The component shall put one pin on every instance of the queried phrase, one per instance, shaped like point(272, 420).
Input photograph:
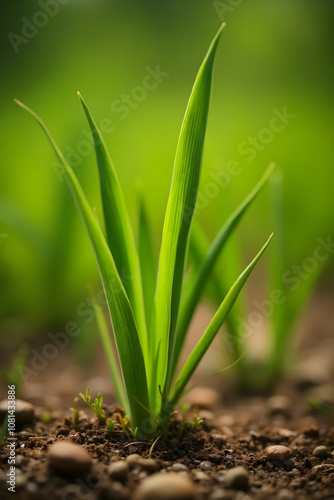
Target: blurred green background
point(273, 55)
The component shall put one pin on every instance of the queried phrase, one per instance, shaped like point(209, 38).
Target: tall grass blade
point(217, 289)
point(179, 213)
point(147, 260)
point(202, 274)
point(124, 326)
point(119, 233)
point(211, 331)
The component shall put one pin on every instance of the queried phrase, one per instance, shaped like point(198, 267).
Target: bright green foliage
point(146, 326)
point(96, 406)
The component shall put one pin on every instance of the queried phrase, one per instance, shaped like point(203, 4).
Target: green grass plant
point(149, 330)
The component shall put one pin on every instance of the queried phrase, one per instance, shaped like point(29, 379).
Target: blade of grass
point(283, 318)
point(211, 331)
point(147, 260)
point(119, 233)
point(179, 213)
point(110, 355)
point(195, 290)
point(125, 331)
point(199, 249)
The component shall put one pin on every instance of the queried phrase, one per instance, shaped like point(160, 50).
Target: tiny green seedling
point(197, 421)
point(75, 411)
point(150, 331)
point(110, 423)
point(96, 406)
point(46, 417)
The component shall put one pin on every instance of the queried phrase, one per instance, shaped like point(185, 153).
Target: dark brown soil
point(236, 437)
point(235, 431)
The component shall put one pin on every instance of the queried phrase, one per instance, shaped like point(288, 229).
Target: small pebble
point(323, 468)
point(237, 478)
point(218, 439)
point(69, 458)
point(133, 459)
point(206, 465)
point(148, 464)
point(279, 404)
point(166, 486)
point(179, 468)
point(199, 475)
point(278, 452)
point(320, 452)
point(119, 470)
point(203, 398)
point(24, 411)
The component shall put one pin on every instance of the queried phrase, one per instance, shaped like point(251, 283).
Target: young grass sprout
point(149, 332)
point(96, 406)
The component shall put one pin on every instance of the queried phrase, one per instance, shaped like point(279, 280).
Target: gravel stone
point(320, 452)
point(166, 486)
point(278, 452)
point(203, 398)
point(24, 411)
point(69, 458)
point(279, 404)
point(148, 464)
point(119, 470)
point(206, 465)
point(179, 468)
point(237, 478)
point(133, 459)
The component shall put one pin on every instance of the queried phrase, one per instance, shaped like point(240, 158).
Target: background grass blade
point(203, 273)
point(147, 260)
point(180, 207)
point(126, 335)
point(284, 316)
point(210, 333)
point(119, 233)
point(217, 288)
point(110, 355)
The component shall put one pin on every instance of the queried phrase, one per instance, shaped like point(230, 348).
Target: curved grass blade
point(211, 331)
point(202, 274)
point(119, 233)
point(125, 331)
point(147, 260)
point(179, 213)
